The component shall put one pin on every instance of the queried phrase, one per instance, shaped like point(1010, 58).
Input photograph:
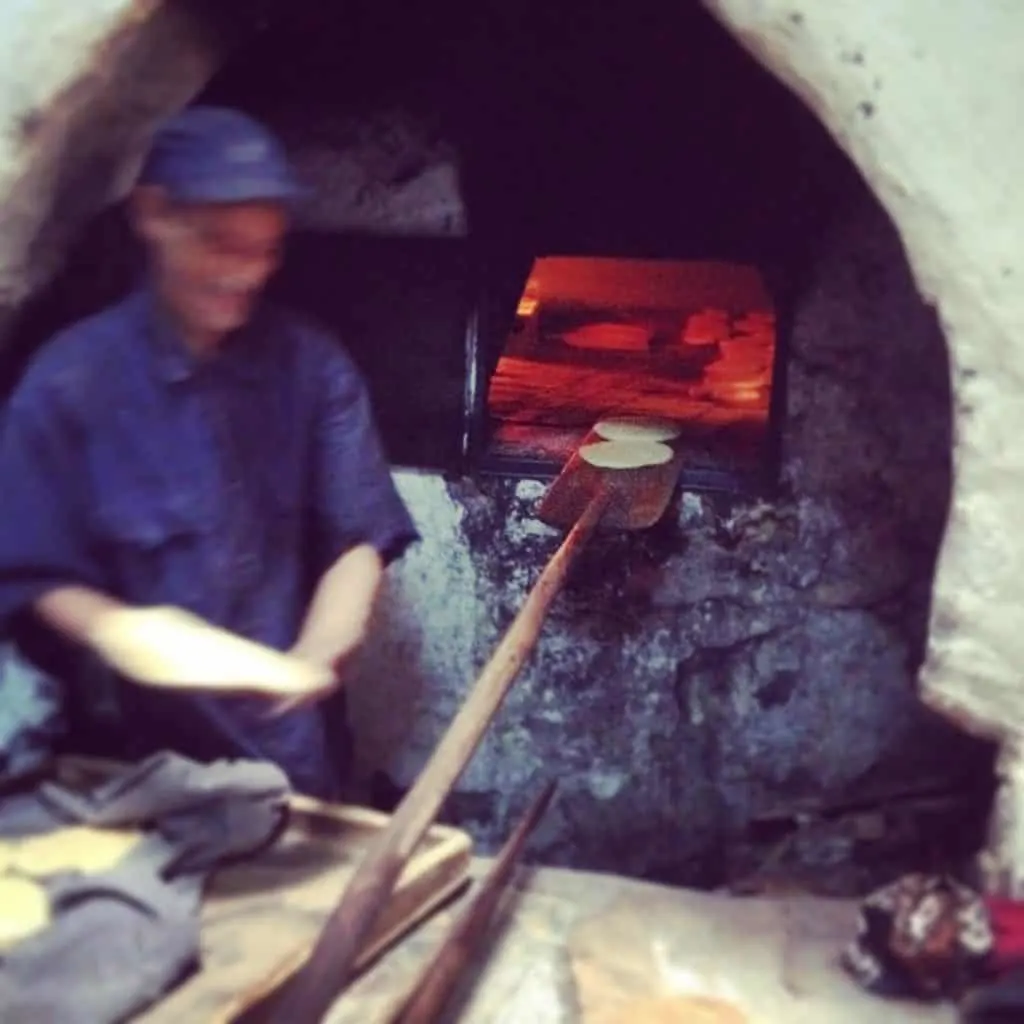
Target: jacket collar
point(173, 362)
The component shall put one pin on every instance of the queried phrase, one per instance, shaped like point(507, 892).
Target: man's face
point(212, 261)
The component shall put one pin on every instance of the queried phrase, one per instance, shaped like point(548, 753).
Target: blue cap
point(218, 155)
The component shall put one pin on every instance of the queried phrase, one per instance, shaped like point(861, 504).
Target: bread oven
point(529, 217)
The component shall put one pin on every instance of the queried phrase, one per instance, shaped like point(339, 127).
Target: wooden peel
point(438, 979)
point(636, 498)
point(588, 495)
point(329, 968)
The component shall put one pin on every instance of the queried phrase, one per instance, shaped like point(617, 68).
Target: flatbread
point(677, 1010)
point(634, 428)
point(171, 647)
point(80, 849)
point(626, 454)
point(612, 337)
point(24, 909)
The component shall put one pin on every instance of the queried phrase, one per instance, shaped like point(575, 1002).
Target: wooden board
point(638, 497)
point(262, 917)
point(626, 972)
point(654, 955)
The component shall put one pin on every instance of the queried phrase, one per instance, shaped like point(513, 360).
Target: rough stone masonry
point(737, 658)
point(878, 76)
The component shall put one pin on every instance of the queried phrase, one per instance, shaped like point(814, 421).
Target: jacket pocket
point(151, 548)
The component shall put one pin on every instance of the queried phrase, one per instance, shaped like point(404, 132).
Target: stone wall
point(740, 658)
point(877, 77)
point(372, 162)
point(875, 82)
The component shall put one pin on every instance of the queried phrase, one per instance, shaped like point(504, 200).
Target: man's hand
point(337, 620)
point(331, 662)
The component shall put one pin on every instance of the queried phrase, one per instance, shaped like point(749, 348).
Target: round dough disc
point(633, 428)
point(24, 909)
point(672, 1009)
point(80, 848)
point(626, 454)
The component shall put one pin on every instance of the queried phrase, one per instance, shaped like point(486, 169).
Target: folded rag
point(121, 938)
point(118, 941)
point(208, 813)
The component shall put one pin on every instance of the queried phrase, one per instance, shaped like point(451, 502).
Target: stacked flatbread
point(637, 428)
point(625, 454)
point(630, 442)
point(743, 372)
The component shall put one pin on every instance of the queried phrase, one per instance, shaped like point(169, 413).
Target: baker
point(196, 447)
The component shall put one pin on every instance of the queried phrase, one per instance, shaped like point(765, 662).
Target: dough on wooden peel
point(24, 909)
point(636, 428)
point(81, 848)
point(626, 454)
point(171, 647)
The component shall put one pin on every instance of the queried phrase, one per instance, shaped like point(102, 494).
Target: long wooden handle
point(329, 968)
point(438, 978)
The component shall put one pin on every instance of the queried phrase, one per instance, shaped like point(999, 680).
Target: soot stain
point(778, 690)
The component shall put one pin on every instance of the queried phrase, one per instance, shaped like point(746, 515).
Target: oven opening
point(693, 342)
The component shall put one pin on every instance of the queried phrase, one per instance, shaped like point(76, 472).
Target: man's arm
point(360, 523)
point(339, 614)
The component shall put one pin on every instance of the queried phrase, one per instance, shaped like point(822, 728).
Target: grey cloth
point(118, 941)
point(207, 813)
point(122, 938)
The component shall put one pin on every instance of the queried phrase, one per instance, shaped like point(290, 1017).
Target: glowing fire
point(686, 341)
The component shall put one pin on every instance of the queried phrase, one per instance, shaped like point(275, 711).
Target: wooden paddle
point(439, 977)
point(636, 498)
point(632, 499)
